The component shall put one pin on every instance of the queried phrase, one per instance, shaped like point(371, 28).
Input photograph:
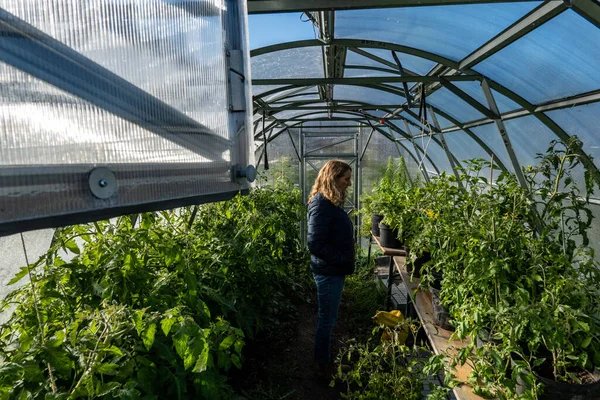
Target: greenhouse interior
point(173, 225)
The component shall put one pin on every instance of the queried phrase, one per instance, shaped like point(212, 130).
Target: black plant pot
point(415, 267)
point(388, 237)
point(554, 390)
point(375, 220)
point(441, 316)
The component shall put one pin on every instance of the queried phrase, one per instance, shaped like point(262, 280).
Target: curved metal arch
point(540, 116)
point(487, 149)
point(369, 117)
point(378, 129)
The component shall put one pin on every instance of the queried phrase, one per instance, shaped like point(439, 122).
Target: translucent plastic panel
point(409, 62)
point(152, 44)
point(465, 148)
point(140, 120)
point(529, 137)
point(375, 159)
point(443, 122)
point(292, 95)
point(582, 121)
point(329, 145)
point(491, 137)
point(450, 31)
point(365, 95)
point(449, 103)
point(473, 89)
point(558, 59)
point(435, 152)
point(282, 159)
point(304, 62)
point(289, 27)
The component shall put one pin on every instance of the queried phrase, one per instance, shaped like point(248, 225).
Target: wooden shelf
point(388, 251)
point(439, 338)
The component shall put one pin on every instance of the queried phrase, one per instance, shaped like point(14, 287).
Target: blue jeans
point(329, 296)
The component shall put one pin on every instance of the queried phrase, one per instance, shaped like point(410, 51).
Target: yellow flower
point(431, 214)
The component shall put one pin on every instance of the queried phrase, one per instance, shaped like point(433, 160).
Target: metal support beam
point(588, 9)
point(294, 144)
point(329, 145)
point(419, 164)
point(489, 96)
point(366, 144)
point(449, 154)
point(275, 6)
point(329, 155)
point(361, 81)
point(468, 99)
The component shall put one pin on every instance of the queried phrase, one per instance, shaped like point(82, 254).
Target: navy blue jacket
point(330, 238)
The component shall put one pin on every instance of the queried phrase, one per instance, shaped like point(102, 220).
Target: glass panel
point(450, 31)
point(491, 137)
point(303, 62)
point(582, 121)
point(447, 102)
point(409, 62)
point(289, 27)
point(375, 158)
point(558, 59)
point(365, 95)
point(473, 89)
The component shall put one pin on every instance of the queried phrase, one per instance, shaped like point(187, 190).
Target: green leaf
point(72, 246)
point(114, 350)
point(137, 320)
point(586, 342)
point(148, 336)
point(166, 325)
point(108, 388)
point(236, 361)
point(107, 369)
point(227, 342)
point(202, 363)
point(57, 340)
point(19, 275)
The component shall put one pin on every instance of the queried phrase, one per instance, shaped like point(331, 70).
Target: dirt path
point(286, 370)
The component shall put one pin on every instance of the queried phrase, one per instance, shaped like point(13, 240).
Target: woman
point(331, 244)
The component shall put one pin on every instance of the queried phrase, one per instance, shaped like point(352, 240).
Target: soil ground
point(285, 369)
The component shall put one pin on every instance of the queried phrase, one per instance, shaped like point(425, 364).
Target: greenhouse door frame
point(351, 158)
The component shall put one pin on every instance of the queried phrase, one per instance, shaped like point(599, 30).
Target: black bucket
point(389, 237)
point(554, 390)
point(375, 220)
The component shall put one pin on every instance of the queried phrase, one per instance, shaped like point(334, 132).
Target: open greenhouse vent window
point(115, 107)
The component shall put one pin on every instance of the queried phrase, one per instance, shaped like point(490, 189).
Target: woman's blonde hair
point(325, 182)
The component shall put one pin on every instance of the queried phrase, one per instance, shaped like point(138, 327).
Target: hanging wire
point(37, 312)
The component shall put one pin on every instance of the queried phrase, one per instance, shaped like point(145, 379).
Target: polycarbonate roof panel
point(444, 123)
point(529, 137)
point(451, 31)
point(473, 89)
point(558, 59)
point(582, 121)
point(464, 147)
point(289, 27)
point(296, 92)
point(447, 102)
point(409, 62)
point(491, 137)
point(435, 152)
point(302, 62)
point(365, 95)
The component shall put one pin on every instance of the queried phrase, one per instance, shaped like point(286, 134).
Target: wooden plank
point(388, 251)
point(438, 337)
